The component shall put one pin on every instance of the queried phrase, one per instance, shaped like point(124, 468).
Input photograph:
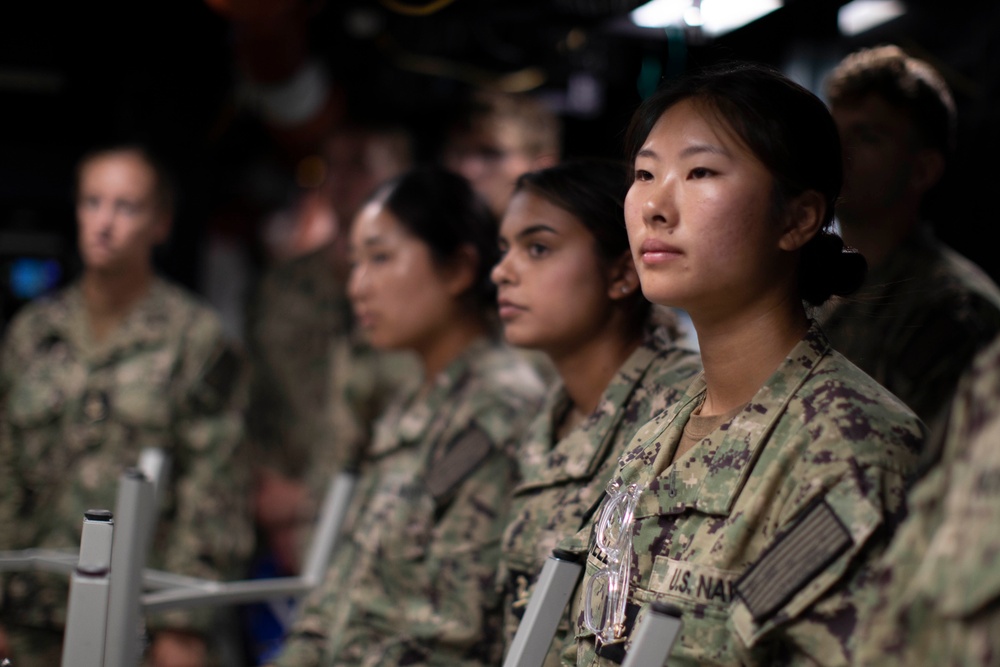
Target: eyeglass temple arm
point(654, 636)
point(556, 583)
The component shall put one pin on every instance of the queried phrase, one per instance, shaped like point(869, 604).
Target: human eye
point(88, 202)
point(379, 257)
point(491, 154)
point(353, 259)
point(537, 250)
point(127, 207)
point(700, 172)
point(643, 175)
point(503, 247)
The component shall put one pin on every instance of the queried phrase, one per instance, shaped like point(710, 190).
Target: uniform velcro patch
point(219, 380)
point(463, 456)
point(801, 551)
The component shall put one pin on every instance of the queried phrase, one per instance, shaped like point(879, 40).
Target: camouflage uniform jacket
point(915, 326)
point(75, 414)
point(762, 532)
point(562, 482)
point(317, 386)
point(412, 581)
point(939, 583)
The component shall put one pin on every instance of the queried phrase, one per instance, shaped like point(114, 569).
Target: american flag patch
point(462, 457)
point(805, 548)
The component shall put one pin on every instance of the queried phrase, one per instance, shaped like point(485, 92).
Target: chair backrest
point(556, 583)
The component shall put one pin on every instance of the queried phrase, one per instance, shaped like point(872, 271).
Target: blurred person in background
point(495, 137)
point(412, 579)
point(120, 360)
point(924, 309)
point(317, 384)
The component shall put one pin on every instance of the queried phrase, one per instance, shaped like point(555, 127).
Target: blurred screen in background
point(33, 262)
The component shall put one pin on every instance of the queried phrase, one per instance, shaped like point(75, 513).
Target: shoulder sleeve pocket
point(461, 457)
point(806, 559)
point(219, 380)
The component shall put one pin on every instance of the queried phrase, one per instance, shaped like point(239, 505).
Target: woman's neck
point(448, 343)
point(587, 370)
point(109, 297)
point(740, 353)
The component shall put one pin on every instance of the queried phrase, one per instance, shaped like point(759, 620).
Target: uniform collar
point(709, 478)
point(582, 452)
point(145, 325)
point(409, 421)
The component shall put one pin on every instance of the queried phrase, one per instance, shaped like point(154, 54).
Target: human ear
point(804, 217)
point(162, 224)
point(928, 168)
point(622, 276)
point(460, 273)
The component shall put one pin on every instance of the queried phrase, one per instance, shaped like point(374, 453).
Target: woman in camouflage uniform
point(120, 360)
point(568, 287)
point(412, 580)
point(756, 502)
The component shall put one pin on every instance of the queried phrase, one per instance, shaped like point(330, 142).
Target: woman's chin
point(516, 338)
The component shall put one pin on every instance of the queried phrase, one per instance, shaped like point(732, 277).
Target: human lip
point(99, 241)
point(365, 318)
point(100, 249)
point(507, 309)
point(654, 251)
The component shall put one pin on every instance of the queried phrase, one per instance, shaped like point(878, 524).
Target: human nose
point(468, 164)
point(356, 282)
point(502, 273)
point(658, 205)
point(97, 217)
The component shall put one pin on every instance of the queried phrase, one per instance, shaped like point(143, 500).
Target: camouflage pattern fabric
point(915, 326)
point(75, 414)
point(562, 482)
point(317, 386)
point(761, 534)
point(412, 583)
point(939, 585)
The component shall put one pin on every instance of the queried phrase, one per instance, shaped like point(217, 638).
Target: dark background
point(72, 74)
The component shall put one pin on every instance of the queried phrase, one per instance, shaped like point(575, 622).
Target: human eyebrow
point(129, 203)
point(698, 149)
point(535, 229)
point(372, 241)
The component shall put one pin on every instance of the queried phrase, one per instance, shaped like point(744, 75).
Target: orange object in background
point(271, 48)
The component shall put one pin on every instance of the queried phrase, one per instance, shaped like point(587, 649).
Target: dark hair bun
point(827, 267)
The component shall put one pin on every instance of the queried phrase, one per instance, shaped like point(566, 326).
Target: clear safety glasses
point(607, 590)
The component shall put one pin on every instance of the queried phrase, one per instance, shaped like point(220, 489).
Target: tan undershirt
point(700, 426)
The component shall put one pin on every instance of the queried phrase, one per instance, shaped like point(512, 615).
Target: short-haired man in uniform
point(924, 310)
point(495, 137)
